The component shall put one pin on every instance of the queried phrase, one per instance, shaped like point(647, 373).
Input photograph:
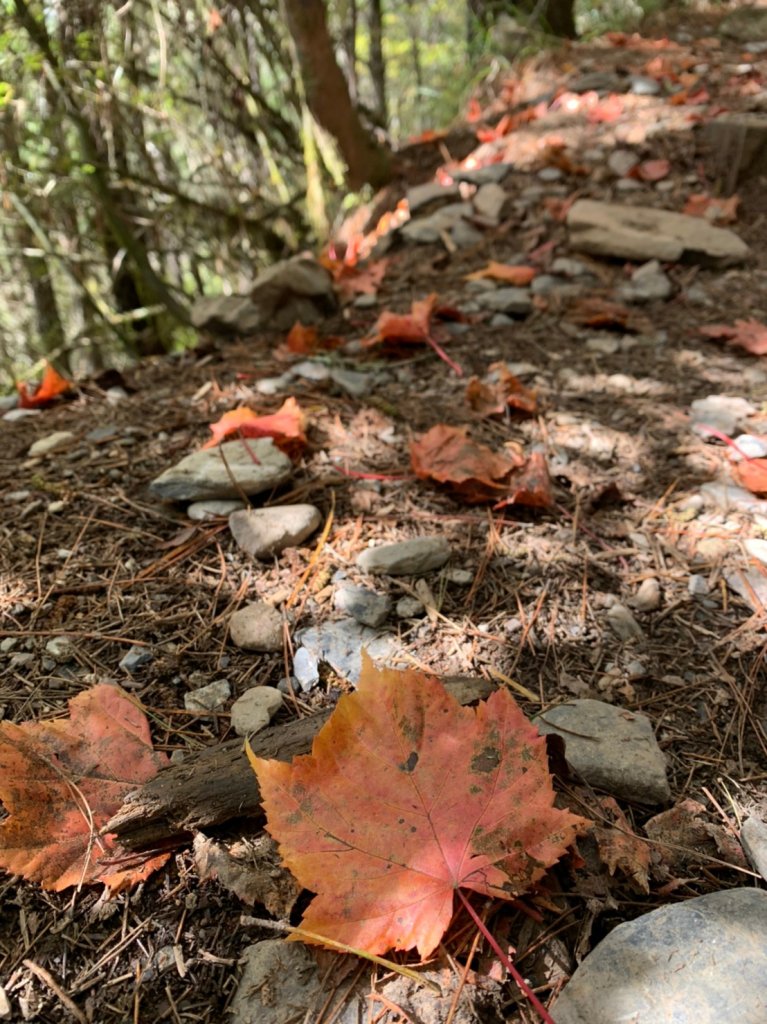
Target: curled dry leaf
point(285, 427)
point(472, 471)
point(718, 210)
point(620, 849)
point(501, 392)
point(748, 334)
point(530, 485)
point(51, 386)
point(507, 272)
point(407, 797)
point(397, 331)
point(62, 780)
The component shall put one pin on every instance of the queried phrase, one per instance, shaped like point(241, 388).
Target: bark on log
point(217, 784)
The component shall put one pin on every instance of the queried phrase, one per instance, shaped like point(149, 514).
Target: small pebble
point(409, 608)
point(623, 623)
point(256, 627)
point(255, 709)
point(135, 658)
point(648, 597)
point(208, 698)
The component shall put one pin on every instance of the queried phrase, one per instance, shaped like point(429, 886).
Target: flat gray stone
point(279, 984)
point(421, 196)
point(623, 623)
point(702, 961)
point(611, 748)
point(648, 596)
point(256, 465)
point(648, 284)
point(753, 836)
point(406, 558)
point(208, 698)
point(263, 532)
point(364, 605)
point(226, 314)
point(426, 230)
point(199, 511)
point(512, 301)
point(723, 412)
point(256, 627)
point(490, 200)
point(255, 709)
point(410, 608)
point(339, 644)
point(52, 443)
point(646, 233)
point(483, 175)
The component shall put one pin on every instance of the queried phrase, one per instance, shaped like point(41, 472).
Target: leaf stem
point(538, 1006)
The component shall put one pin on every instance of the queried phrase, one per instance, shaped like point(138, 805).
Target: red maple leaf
point(285, 427)
point(472, 471)
point(407, 797)
point(51, 386)
point(748, 334)
point(62, 780)
point(395, 331)
point(503, 391)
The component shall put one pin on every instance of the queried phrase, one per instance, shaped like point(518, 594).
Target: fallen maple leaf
point(285, 427)
point(530, 485)
point(397, 330)
point(351, 278)
point(512, 274)
point(51, 386)
point(62, 780)
point(406, 798)
point(748, 334)
point(503, 391)
point(473, 472)
point(620, 849)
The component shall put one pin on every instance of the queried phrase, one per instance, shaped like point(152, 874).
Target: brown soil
point(113, 568)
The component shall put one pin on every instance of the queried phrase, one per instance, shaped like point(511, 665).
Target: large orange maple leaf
point(62, 780)
point(406, 797)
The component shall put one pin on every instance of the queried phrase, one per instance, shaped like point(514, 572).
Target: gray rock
point(490, 200)
point(14, 415)
point(728, 497)
point(646, 233)
point(622, 162)
point(482, 175)
point(256, 465)
point(464, 236)
point(623, 623)
point(51, 443)
point(263, 532)
point(208, 698)
point(701, 961)
point(352, 382)
point(432, 192)
point(641, 85)
point(566, 267)
point(460, 577)
point(365, 302)
point(426, 230)
point(753, 836)
point(723, 412)
point(756, 547)
point(199, 511)
point(339, 644)
point(697, 586)
point(226, 314)
point(548, 284)
point(515, 301)
point(647, 598)
point(406, 558)
point(306, 669)
point(135, 658)
point(256, 627)
point(60, 648)
point(410, 608)
point(501, 320)
point(364, 605)
point(255, 709)
point(648, 284)
point(611, 748)
point(279, 984)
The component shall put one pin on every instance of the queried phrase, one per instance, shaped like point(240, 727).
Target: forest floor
point(89, 555)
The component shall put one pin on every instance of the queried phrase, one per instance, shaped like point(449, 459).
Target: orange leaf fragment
point(51, 386)
point(62, 780)
point(285, 427)
point(717, 210)
point(406, 797)
point(504, 391)
point(514, 275)
point(748, 334)
point(530, 485)
point(751, 474)
point(620, 849)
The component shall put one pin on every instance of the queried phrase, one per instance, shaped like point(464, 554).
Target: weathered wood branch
point(217, 784)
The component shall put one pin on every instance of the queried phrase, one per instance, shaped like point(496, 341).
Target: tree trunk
point(377, 63)
point(328, 96)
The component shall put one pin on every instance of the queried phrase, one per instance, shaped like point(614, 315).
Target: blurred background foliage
point(158, 151)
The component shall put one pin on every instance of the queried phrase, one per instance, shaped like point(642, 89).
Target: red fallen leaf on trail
point(651, 170)
point(503, 391)
point(530, 485)
point(715, 209)
point(620, 849)
point(607, 110)
point(472, 471)
point(351, 278)
point(285, 427)
point(407, 797)
point(62, 780)
point(51, 386)
point(592, 311)
point(515, 275)
point(305, 341)
point(402, 330)
point(748, 334)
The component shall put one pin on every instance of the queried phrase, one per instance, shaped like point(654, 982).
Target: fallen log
point(216, 785)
